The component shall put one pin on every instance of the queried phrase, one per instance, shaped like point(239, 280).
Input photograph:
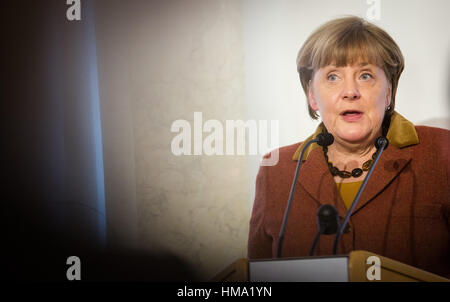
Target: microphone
point(323, 139)
point(327, 223)
point(381, 143)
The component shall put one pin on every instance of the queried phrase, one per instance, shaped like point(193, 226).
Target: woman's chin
point(354, 137)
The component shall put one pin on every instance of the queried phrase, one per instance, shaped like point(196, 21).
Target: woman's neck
point(348, 150)
point(350, 156)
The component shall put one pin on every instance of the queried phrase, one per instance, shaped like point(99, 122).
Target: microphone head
point(324, 139)
point(328, 219)
point(380, 141)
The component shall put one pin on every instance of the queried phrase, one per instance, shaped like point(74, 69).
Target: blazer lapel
point(316, 179)
point(391, 163)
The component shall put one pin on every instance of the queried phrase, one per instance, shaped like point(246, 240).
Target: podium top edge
point(299, 258)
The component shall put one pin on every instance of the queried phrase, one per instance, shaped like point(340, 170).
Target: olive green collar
point(401, 133)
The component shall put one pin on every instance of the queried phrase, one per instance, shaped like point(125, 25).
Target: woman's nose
point(350, 91)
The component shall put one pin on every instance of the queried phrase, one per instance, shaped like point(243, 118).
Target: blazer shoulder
point(433, 137)
point(285, 152)
point(289, 150)
point(425, 132)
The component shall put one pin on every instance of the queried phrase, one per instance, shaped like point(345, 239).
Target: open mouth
point(350, 113)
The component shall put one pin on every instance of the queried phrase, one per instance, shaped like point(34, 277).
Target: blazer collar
point(316, 179)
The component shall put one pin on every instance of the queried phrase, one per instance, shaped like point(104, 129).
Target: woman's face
point(351, 100)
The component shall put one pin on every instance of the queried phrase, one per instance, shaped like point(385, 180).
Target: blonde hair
point(346, 41)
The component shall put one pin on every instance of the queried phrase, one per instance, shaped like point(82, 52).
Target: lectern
point(346, 268)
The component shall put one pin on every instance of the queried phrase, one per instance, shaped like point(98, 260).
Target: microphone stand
point(321, 139)
point(291, 194)
point(382, 142)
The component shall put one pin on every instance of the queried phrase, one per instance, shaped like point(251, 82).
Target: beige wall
point(187, 57)
point(161, 61)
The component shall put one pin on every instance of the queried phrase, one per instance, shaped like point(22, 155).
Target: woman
point(349, 70)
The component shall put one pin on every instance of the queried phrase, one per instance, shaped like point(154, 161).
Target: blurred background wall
point(160, 61)
point(89, 106)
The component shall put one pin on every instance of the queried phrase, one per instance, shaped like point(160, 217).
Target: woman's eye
point(366, 76)
point(332, 77)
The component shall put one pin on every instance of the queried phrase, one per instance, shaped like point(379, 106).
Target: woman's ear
point(311, 98)
point(388, 96)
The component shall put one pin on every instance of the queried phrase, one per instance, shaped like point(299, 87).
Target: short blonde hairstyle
point(345, 41)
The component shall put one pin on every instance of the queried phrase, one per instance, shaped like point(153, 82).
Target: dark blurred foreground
point(32, 249)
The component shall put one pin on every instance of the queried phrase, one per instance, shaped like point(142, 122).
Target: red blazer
point(402, 214)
